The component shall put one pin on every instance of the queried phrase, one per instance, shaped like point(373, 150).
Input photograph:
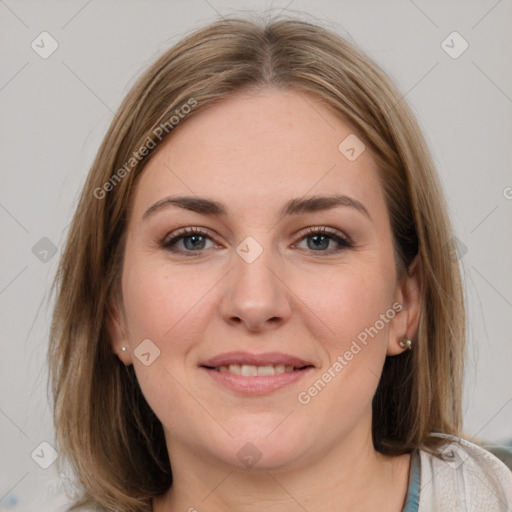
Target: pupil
point(195, 238)
point(325, 240)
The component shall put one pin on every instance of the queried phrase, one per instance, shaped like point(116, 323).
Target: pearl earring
point(405, 342)
point(123, 349)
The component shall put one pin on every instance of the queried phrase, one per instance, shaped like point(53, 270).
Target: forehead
point(260, 148)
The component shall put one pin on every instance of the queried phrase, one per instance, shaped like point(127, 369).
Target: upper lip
point(264, 359)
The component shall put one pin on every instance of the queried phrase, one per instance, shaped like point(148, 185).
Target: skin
point(253, 152)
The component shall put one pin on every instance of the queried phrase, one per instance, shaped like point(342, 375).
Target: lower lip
point(259, 385)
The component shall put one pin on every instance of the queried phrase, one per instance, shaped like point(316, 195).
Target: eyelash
point(169, 243)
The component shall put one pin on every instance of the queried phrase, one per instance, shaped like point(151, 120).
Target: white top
point(465, 478)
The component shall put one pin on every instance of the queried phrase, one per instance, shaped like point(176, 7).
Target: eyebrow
point(295, 206)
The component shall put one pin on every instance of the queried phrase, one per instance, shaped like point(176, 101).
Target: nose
point(255, 295)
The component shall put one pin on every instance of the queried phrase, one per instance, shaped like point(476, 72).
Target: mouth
point(255, 374)
point(247, 370)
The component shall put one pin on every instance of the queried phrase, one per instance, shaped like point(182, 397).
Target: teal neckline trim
point(413, 493)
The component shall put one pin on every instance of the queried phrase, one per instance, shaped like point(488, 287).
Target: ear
point(116, 327)
point(408, 295)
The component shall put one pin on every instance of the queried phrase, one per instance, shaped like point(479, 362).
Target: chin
point(262, 448)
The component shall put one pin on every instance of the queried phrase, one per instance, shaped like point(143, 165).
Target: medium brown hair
point(104, 427)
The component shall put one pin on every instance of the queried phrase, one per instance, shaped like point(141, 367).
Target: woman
point(257, 306)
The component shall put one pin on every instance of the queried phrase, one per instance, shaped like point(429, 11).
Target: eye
point(319, 238)
point(193, 239)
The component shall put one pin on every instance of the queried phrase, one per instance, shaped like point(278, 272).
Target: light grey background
point(55, 111)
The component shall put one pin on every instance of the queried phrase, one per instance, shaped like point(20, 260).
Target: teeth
point(247, 370)
point(235, 368)
point(279, 368)
point(265, 370)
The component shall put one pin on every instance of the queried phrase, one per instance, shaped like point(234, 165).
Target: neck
point(351, 475)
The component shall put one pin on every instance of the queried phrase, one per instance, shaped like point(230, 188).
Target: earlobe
point(117, 331)
point(404, 328)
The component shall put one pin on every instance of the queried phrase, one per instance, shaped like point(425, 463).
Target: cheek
point(168, 309)
point(162, 305)
point(346, 304)
point(349, 329)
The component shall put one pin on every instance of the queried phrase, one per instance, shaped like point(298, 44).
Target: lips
point(247, 359)
point(255, 374)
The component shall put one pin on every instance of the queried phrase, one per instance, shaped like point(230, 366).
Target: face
point(256, 319)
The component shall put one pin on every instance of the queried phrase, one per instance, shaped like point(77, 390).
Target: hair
point(104, 427)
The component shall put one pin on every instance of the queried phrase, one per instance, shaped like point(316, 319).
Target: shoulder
point(464, 476)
